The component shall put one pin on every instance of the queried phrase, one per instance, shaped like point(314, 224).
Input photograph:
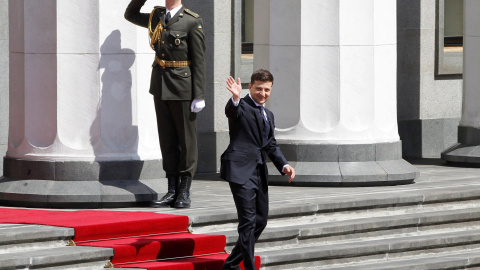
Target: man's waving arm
point(235, 88)
point(231, 110)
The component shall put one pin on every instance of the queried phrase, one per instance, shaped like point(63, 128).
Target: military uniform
point(178, 77)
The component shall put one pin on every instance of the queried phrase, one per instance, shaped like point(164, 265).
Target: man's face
point(173, 3)
point(260, 91)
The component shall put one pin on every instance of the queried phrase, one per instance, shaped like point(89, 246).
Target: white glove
point(197, 105)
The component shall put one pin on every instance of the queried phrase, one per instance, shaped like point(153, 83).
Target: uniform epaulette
point(193, 14)
point(159, 8)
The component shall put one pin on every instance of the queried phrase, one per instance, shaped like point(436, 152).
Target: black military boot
point(183, 192)
point(168, 199)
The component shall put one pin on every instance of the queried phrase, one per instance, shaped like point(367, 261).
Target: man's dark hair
point(262, 75)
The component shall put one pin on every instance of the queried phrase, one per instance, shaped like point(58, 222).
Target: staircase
point(49, 248)
point(46, 247)
point(430, 225)
point(104, 239)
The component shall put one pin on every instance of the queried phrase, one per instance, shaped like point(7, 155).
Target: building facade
point(429, 76)
point(409, 90)
point(4, 77)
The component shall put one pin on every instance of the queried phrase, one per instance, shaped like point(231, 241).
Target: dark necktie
point(266, 125)
point(167, 17)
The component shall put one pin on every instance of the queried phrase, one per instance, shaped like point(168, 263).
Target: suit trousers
point(177, 131)
point(251, 201)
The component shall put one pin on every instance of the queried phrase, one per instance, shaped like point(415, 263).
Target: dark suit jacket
point(241, 157)
point(182, 83)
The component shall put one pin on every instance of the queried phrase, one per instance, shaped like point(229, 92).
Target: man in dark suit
point(243, 162)
point(178, 86)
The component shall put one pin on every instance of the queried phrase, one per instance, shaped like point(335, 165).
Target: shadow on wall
point(408, 76)
point(112, 134)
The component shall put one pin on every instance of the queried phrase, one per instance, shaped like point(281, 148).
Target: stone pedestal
point(467, 150)
point(334, 95)
point(82, 127)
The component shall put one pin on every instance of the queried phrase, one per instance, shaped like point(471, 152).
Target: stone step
point(372, 227)
point(310, 210)
point(23, 237)
point(82, 266)
point(451, 260)
point(361, 250)
point(21, 233)
point(57, 258)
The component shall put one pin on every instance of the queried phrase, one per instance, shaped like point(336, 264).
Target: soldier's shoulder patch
point(191, 13)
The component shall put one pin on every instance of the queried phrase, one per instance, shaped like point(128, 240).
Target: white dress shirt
point(173, 11)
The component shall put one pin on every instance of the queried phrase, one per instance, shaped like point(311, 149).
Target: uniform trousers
point(177, 131)
point(251, 201)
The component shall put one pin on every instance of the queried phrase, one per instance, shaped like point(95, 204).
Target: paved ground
point(214, 196)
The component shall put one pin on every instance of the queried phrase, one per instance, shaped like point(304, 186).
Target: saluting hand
point(234, 87)
point(290, 171)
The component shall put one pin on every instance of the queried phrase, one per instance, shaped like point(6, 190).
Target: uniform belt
point(173, 64)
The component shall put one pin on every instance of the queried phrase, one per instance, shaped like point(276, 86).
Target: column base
point(466, 152)
point(462, 155)
point(344, 164)
point(53, 184)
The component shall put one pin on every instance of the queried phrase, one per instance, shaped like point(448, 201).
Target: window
point(450, 37)
point(247, 26)
point(453, 23)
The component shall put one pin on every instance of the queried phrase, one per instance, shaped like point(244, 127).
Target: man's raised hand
point(234, 87)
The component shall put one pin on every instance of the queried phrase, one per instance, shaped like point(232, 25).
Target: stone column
point(467, 149)
point(82, 123)
point(334, 95)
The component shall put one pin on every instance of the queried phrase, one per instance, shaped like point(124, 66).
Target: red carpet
point(92, 225)
point(147, 240)
point(210, 262)
point(162, 247)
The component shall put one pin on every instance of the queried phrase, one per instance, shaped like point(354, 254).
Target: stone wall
point(429, 105)
point(4, 52)
point(212, 125)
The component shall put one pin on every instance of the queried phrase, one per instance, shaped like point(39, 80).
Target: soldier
point(178, 88)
